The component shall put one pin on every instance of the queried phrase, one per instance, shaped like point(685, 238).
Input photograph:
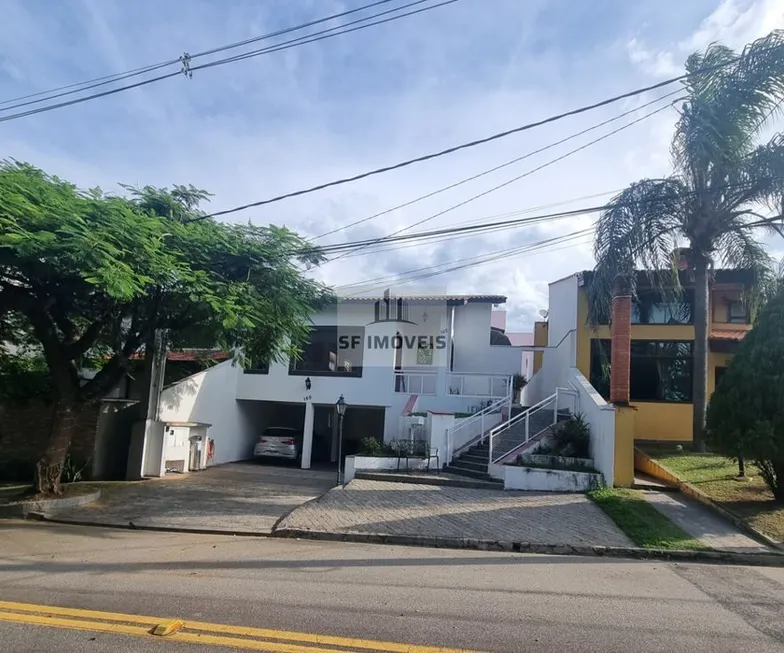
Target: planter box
point(548, 480)
point(535, 459)
point(380, 463)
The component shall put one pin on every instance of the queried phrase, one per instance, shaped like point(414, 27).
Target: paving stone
point(702, 523)
point(365, 506)
point(241, 497)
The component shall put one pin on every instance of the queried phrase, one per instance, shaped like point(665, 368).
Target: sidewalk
point(702, 523)
point(410, 509)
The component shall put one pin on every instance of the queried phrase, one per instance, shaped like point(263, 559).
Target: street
point(318, 595)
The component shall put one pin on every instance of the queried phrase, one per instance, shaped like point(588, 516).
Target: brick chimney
point(621, 339)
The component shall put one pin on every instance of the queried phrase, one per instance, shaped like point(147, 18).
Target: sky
point(284, 121)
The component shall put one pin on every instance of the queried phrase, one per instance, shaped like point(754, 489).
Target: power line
point(381, 248)
point(470, 144)
point(471, 261)
point(523, 175)
point(506, 224)
point(498, 167)
point(449, 263)
point(109, 79)
point(312, 38)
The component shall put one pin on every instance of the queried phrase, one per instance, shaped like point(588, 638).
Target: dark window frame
point(646, 302)
point(601, 352)
point(260, 368)
point(295, 370)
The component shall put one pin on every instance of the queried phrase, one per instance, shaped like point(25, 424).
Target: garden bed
point(24, 501)
point(381, 463)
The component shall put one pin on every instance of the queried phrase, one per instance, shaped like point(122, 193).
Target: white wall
point(561, 353)
point(544, 480)
point(375, 387)
point(601, 417)
point(209, 397)
point(473, 352)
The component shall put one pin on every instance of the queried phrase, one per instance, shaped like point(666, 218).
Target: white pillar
point(307, 435)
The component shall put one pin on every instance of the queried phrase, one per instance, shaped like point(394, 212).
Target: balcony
point(463, 384)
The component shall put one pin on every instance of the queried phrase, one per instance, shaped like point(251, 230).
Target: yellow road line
point(224, 629)
point(141, 631)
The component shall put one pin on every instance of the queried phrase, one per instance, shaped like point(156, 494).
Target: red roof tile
point(727, 334)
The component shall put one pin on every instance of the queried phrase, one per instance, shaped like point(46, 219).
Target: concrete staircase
point(473, 462)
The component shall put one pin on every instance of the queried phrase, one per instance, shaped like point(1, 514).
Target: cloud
point(293, 119)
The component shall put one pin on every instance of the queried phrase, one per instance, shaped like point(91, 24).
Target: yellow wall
point(540, 340)
point(625, 425)
point(656, 420)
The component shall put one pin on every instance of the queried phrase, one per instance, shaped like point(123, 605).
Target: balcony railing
point(479, 385)
point(416, 383)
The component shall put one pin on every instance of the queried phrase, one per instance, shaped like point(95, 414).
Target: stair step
point(471, 466)
point(480, 475)
point(471, 458)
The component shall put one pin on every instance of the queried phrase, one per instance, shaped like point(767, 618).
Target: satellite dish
point(544, 313)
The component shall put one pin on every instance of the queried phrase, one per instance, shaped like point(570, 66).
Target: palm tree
point(720, 176)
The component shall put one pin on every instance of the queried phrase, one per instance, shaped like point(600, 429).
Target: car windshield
point(280, 432)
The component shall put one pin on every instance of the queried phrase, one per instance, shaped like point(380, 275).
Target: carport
point(359, 422)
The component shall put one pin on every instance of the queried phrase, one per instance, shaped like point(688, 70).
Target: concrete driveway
point(234, 498)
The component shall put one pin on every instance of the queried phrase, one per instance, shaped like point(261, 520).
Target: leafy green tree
point(720, 177)
point(90, 277)
point(746, 413)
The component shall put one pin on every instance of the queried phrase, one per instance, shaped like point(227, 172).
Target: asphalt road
point(421, 597)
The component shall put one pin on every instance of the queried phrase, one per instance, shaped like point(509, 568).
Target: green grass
point(714, 475)
point(642, 523)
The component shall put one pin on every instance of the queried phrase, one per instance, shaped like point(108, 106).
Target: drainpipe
point(621, 341)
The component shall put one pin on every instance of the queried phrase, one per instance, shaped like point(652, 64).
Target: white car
point(279, 442)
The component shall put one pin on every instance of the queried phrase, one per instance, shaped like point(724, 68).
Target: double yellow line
point(199, 632)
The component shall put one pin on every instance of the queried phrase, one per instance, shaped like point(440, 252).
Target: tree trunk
point(50, 467)
point(700, 371)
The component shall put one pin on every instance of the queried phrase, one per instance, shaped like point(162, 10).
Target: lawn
point(642, 523)
point(751, 500)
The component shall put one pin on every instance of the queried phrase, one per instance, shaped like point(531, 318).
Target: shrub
point(370, 446)
point(572, 438)
point(746, 413)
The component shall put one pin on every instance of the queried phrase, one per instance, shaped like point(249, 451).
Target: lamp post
point(340, 406)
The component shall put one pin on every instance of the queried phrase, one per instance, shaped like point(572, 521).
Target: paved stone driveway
point(380, 507)
point(240, 497)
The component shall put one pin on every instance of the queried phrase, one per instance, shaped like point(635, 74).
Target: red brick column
point(621, 339)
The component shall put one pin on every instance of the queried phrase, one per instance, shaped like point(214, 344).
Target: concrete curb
point(440, 482)
point(130, 526)
point(714, 557)
point(657, 470)
point(24, 508)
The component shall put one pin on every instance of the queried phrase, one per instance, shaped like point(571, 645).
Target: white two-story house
point(389, 357)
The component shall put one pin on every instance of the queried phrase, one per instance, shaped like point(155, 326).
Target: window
point(425, 356)
point(736, 312)
point(259, 367)
point(323, 356)
point(651, 308)
point(660, 370)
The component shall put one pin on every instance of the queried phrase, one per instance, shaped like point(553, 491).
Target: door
point(717, 376)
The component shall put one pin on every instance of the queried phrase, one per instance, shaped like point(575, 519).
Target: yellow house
point(662, 338)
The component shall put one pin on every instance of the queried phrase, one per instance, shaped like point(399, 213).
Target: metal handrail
point(478, 416)
point(526, 415)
